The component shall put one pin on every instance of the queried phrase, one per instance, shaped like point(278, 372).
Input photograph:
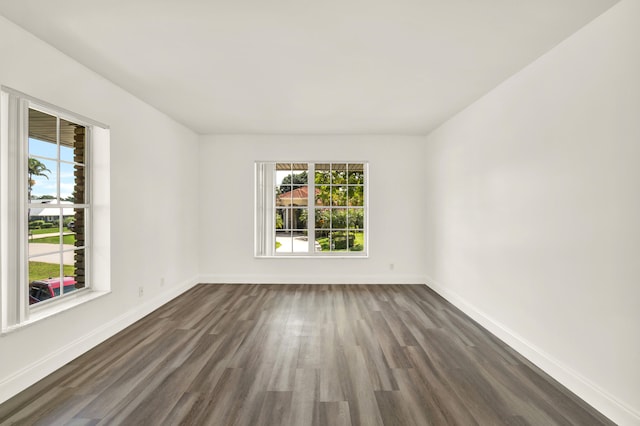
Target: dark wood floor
point(301, 355)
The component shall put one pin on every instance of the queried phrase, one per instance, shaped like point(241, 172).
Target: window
point(57, 204)
point(311, 209)
point(46, 205)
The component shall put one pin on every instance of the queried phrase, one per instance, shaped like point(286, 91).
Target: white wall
point(534, 207)
point(154, 189)
point(227, 209)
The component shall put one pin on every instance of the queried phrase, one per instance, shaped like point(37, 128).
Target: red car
point(46, 289)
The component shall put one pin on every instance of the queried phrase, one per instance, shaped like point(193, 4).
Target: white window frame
point(265, 208)
point(15, 310)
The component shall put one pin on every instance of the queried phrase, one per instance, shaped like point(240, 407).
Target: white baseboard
point(610, 406)
point(46, 365)
point(312, 279)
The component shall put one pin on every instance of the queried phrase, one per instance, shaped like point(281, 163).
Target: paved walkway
point(298, 244)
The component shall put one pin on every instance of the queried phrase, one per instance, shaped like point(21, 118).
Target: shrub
point(340, 239)
point(36, 224)
point(47, 225)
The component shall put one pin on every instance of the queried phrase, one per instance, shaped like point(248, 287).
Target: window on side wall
point(46, 229)
point(311, 209)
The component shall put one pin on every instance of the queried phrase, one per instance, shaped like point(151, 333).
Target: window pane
point(339, 241)
point(72, 142)
point(78, 271)
point(356, 195)
point(300, 196)
point(323, 174)
point(44, 273)
point(356, 219)
point(299, 218)
point(339, 219)
point(339, 196)
point(72, 187)
point(300, 175)
point(42, 179)
point(356, 173)
point(357, 243)
point(43, 127)
point(338, 174)
point(300, 242)
point(283, 195)
point(323, 241)
point(283, 219)
point(44, 230)
point(40, 148)
point(75, 220)
point(323, 195)
point(283, 242)
point(323, 218)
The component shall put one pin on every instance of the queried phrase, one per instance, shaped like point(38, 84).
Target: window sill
point(303, 256)
point(54, 308)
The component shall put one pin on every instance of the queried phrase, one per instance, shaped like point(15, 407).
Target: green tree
point(294, 181)
point(36, 168)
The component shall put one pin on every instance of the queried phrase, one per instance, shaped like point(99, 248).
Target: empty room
point(346, 213)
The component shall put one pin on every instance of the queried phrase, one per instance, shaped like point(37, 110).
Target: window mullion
point(311, 207)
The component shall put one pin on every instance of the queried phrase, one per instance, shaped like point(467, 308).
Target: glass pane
point(323, 218)
point(323, 174)
point(356, 195)
point(338, 173)
point(40, 148)
point(283, 219)
point(339, 241)
point(323, 195)
point(283, 195)
point(356, 219)
point(300, 196)
point(357, 242)
point(356, 173)
point(78, 271)
point(339, 196)
point(42, 179)
point(300, 242)
point(283, 181)
point(300, 175)
point(299, 218)
point(43, 127)
point(323, 241)
point(72, 187)
point(283, 242)
point(72, 142)
point(44, 274)
point(74, 220)
point(339, 219)
point(44, 230)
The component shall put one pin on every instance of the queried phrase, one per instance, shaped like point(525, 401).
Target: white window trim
point(15, 311)
point(264, 209)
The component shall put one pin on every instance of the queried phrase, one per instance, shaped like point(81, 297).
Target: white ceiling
point(285, 66)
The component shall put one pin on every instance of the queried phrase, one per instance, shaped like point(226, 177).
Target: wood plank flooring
point(301, 355)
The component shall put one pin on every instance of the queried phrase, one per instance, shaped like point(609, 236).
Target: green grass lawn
point(41, 270)
point(66, 239)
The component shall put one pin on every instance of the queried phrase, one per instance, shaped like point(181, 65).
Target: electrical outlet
point(392, 266)
point(140, 291)
point(162, 282)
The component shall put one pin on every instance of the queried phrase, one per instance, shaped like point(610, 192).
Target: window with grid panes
point(311, 209)
point(45, 200)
